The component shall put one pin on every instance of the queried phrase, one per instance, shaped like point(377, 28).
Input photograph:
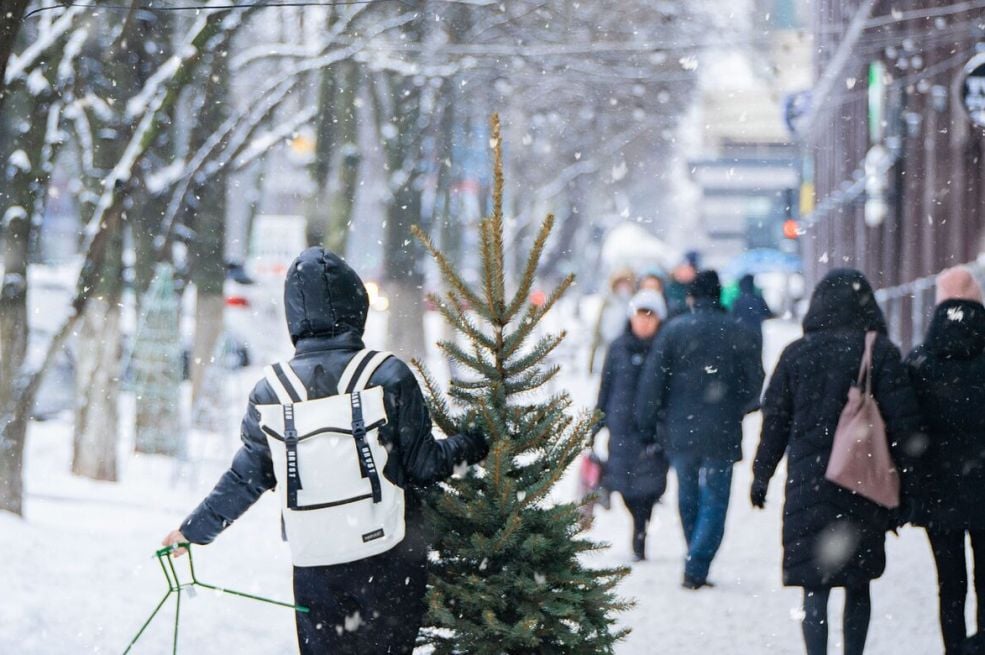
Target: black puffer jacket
point(635, 468)
point(702, 375)
point(948, 374)
point(326, 307)
point(832, 537)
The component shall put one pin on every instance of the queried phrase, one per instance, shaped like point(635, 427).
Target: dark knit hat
point(705, 285)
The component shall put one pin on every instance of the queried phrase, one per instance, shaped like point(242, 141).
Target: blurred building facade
point(893, 157)
point(749, 169)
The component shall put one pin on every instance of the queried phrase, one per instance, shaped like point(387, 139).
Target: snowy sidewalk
point(78, 576)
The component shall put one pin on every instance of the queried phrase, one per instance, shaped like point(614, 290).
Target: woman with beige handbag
point(823, 408)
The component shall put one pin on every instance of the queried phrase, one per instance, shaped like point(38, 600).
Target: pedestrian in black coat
point(750, 310)
point(637, 466)
point(372, 606)
point(831, 536)
point(948, 374)
point(701, 377)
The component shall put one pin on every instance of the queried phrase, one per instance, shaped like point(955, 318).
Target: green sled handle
point(176, 587)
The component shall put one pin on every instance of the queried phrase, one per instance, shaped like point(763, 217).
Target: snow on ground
point(79, 577)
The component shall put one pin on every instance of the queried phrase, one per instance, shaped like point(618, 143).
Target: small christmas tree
point(509, 576)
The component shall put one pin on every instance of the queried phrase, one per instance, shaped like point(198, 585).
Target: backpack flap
point(310, 420)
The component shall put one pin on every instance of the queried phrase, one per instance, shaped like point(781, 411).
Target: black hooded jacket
point(702, 375)
point(948, 374)
point(326, 307)
point(633, 470)
point(749, 309)
point(831, 536)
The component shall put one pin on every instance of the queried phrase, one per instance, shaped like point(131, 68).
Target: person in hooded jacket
point(750, 309)
point(611, 318)
point(701, 377)
point(948, 374)
point(831, 536)
point(637, 466)
point(372, 606)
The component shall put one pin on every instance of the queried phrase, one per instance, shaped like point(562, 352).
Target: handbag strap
point(865, 367)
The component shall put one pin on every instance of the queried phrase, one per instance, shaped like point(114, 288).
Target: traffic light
point(791, 229)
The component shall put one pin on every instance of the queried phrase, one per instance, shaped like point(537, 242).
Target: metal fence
point(909, 307)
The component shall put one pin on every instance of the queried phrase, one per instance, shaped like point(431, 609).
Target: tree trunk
point(209, 308)
point(97, 372)
point(10, 24)
point(325, 146)
point(96, 414)
point(208, 264)
point(404, 278)
point(405, 329)
point(21, 193)
point(345, 178)
point(13, 349)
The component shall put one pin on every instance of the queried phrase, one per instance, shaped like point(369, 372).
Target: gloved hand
point(476, 446)
point(757, 495)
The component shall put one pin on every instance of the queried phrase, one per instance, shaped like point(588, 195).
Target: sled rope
point(176, 586)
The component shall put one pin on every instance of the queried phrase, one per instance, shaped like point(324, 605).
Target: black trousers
point(858, 610)
point(640, 509)
point(952, 582)
point(371, 607)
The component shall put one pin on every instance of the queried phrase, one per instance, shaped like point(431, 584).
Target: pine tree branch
point(558, 462)
point(532, 317)
point(540, 352)
point(448, 271)
point(467, 397)
point(440, 411)
point(454, 313)
point(532, 381)
point(479, 366)
point(529, 273)
point(496, 225)
point(489, 271)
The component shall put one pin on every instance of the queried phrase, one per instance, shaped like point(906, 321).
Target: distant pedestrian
point(749, 308)
point(701, 377)
point(676, 290)
point(611, 321)
point(832, 537)
point(653, 280)
point(637, 466)
point(948, 374)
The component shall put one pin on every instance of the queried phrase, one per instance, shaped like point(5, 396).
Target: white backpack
point(337, 505)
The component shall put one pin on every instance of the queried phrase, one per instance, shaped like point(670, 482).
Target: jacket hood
point(323, 296)
point(705, 285)
point(747, 284)
point(844, 300)
point(957, 329)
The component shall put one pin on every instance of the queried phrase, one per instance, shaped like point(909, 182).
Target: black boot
point(639, 547)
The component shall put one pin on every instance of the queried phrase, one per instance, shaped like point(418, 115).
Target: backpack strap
point(291, 444)
point(350, 370)
point(360, 369)
point(356, 377)
point(366, 462)
point(285, 383)
point(361, 381)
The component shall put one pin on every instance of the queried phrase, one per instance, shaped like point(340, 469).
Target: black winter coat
point(703, 374)
point(831, 536)
point(635, 469)
point(948, 375)
point(326, 307)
